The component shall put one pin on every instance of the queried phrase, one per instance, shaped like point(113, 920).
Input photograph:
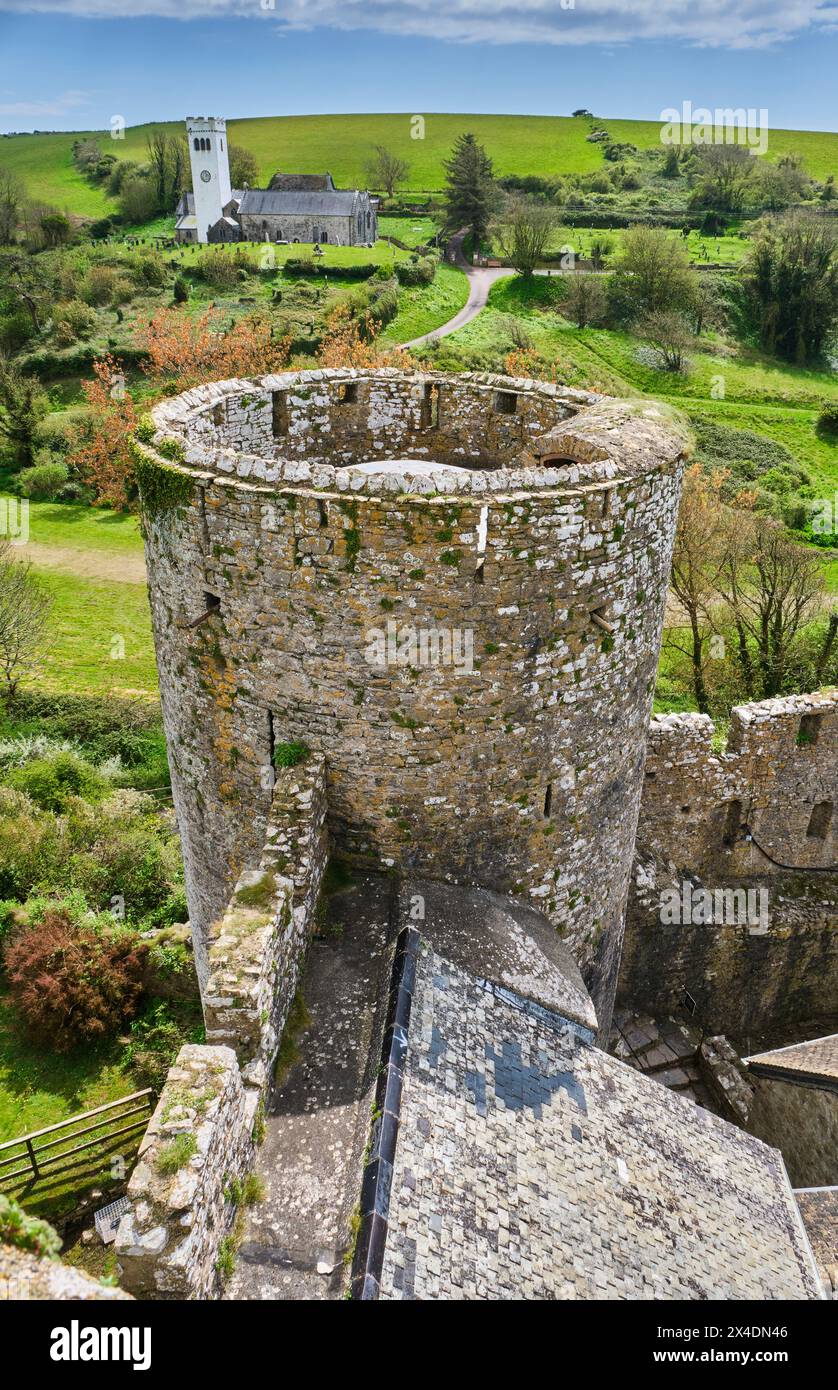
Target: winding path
point(480, 282)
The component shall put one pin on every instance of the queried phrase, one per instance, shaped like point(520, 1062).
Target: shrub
point(98, 285)
point(290, 754)
point(26, 1232)
point(418, 272)
point(157, 1036)
point(74, 984)
point(51, 782)
point(828, 418)
point(73, 320)
point(181, 290)
point(220, 270)
point(45, 480)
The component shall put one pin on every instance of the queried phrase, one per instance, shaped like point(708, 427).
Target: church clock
point(205, 175)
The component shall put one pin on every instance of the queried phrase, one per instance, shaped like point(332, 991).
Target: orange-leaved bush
point(71, 982)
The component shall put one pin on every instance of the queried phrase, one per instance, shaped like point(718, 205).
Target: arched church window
point(197, 146)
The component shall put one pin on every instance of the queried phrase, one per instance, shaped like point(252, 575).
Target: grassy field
point(424, 307)
point(726, 250)
point(90, 620)
point(543, 145)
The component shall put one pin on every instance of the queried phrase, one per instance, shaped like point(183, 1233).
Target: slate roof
point(529, 1164)
point(301, 182)
point(816, 1060)
point(337, 202)
point(819, 1209)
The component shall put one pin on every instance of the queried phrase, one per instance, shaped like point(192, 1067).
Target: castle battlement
point(450, 587)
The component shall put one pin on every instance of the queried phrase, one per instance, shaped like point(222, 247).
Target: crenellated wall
point(761, 816)
point(274, 579)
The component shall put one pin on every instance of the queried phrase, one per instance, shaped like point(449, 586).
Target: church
point(294, 207)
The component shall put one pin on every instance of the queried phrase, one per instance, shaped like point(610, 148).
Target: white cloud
point(58, 106)
point(717, 23)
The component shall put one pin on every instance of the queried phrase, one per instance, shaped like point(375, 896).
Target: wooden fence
point(42, 1155)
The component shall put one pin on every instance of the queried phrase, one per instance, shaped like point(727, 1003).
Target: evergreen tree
point(469, 187)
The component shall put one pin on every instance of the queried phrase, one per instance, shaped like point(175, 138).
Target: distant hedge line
point(302, 265)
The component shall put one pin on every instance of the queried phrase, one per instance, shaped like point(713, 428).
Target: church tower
point(210, 169)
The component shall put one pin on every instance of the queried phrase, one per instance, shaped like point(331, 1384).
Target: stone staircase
point(667, 1050)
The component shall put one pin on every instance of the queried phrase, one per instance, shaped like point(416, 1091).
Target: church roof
point(301, 183)
point(334, 202)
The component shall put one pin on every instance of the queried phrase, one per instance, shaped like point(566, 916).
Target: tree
point(138, 198)
point(105, 459)
point(774, 588)
point(523, 232)
point(244, 167)
point(24, 613)
point(586, 301)
point(670, 333)
point(723, 173)
point(671, 167)
point(184, 351)
point(788, 285)
point(56, 228)
point(652, 272)
point(168, 158)
point(386, 170)
point(23, 405)
point(469, 188)
point(781, 183)
point(697, 561)
point(11, 198)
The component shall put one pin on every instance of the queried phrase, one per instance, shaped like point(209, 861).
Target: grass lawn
point(40, 1087)
point(725, 250)
point(413, 231)
point(84, 528)
point(89, 617)
point(423, 307)
point(543, 145)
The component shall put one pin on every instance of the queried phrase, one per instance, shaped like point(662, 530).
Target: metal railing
point(36, 1159)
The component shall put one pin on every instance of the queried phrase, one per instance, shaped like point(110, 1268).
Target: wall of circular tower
point(451, 587)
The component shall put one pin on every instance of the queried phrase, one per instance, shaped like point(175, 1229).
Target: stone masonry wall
point(703, 816)
point(802, 1122)
point(521, 772)
point(168, 1244)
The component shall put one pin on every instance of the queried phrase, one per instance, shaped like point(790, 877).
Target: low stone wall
point(200, 1141)
point(762, 817)
point(258, 948)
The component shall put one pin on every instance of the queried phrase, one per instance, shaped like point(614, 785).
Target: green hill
point(542, 145)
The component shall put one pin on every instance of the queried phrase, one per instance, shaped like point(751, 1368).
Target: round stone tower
point(452, 587)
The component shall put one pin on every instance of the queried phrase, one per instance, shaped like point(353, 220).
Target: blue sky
point(73, 64)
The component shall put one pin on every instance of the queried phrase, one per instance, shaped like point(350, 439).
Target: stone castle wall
point(522, 773)
point(761, 816)
point(802, 1121)
point(168, 1244)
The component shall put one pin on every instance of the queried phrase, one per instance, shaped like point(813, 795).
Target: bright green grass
point(40, 1087)
point(87, 616)
point(84, 528)
point(725, 250)
point(423, 307)
point(413, 231)
point(543, 145)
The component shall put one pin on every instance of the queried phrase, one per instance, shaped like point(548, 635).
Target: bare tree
point(386, 170)
point(724, 172)
point(671, 335)
point(697, 563)
point(24, 613)
point(11, 200)
point(586, 300)
point(523, 232)
point(774, 588)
